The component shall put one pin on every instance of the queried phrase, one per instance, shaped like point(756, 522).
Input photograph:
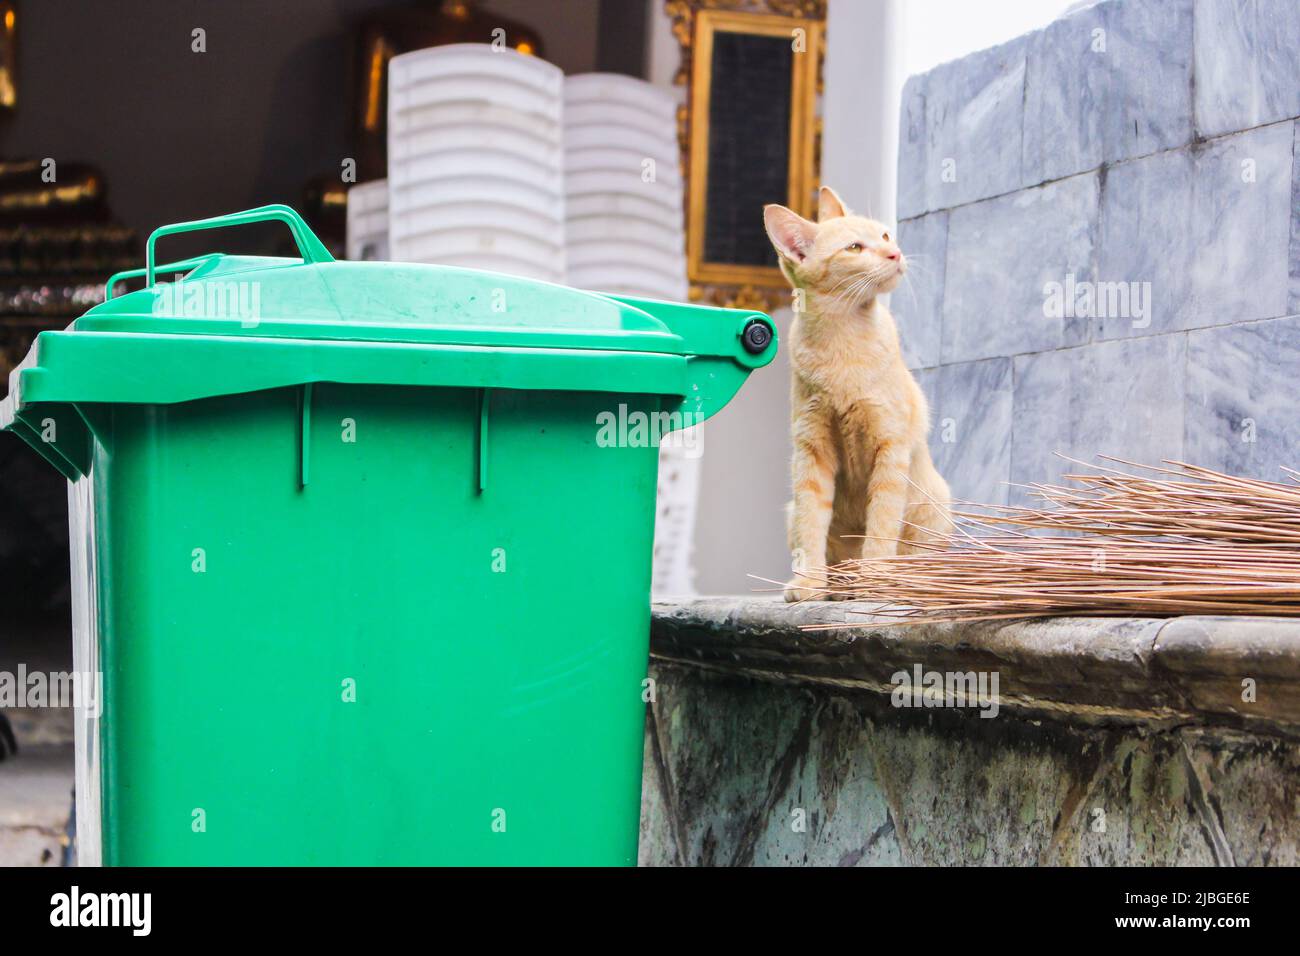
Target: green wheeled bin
point(362, 551)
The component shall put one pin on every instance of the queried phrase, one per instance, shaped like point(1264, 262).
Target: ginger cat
point(859, 420)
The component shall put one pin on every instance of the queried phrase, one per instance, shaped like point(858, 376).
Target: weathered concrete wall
point(1148, 143)
point(1116, 742)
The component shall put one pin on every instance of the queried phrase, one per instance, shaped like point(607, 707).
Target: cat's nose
point(894, 254)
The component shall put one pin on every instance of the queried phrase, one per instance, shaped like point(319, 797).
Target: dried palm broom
point(1175, 540)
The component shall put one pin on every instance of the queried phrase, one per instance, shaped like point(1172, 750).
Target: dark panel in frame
point(749, 144)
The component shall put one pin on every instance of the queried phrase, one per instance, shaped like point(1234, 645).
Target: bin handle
point(182, 265)
point(311, 248)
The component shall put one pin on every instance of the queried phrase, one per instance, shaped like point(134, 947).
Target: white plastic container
point(475, 160)
point(367, 223)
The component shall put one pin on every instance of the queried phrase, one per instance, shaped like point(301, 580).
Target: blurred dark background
point(143, 130)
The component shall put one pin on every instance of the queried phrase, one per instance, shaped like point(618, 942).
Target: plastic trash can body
point(389, 666)
point(359, 598)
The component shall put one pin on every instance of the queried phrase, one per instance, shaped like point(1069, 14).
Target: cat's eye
point(884, 236)
point(853, 247)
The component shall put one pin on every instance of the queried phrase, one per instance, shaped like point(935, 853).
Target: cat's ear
point(829, 205)
point(791, 233)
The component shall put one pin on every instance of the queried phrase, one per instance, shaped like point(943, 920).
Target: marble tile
point(1002, 254)
point(1148, 106)
point(917, 304)
point(1109, 82)
point(1199, 236)
point(1242, 392)
point(912, 148)
point(1066, 83)
point(1293, 300)
point(1121, 398)
point(1146, 238)
point(1247, 63)
point(973, 121)
point(970, 427)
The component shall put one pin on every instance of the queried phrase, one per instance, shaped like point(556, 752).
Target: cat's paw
point(803, 588)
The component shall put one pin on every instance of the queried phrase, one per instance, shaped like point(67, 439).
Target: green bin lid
point(237, 324)
point(258, 297)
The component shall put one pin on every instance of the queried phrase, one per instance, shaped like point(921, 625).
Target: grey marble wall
point(1103, 219)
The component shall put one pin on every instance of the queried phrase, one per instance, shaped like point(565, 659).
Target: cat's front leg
point(886, 500)
point(814, 467)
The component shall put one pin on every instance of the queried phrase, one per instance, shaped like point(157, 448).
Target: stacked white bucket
point(475, 175)
point(497, 162)
point(622, 188)
point(624, 230)
point(368, 221)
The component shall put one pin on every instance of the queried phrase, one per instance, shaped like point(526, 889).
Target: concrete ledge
point(1091, 671)
point(1118, 742)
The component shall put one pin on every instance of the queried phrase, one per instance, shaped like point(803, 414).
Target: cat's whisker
point(907, 281)
point(855, 277)
point(849, 280)
point(851, 294)
point(840, 297)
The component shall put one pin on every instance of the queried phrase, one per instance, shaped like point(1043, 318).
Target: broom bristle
point(1178, 539)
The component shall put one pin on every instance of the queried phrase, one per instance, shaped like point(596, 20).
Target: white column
point(663, 53)
point(864, 85)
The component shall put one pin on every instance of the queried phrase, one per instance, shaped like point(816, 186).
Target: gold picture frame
point(696, 24)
